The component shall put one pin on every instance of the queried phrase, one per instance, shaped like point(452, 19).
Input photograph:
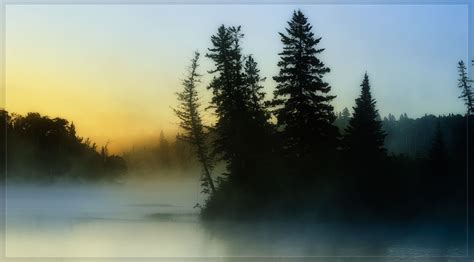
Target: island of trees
point(291, 155)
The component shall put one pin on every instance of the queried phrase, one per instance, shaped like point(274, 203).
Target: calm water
point(158, 220)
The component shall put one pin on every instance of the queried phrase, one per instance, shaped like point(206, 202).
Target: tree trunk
point(206, 167)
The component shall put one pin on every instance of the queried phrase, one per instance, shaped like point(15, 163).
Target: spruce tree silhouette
point(229, 101)
point(464, 83)
point(364, 135)
point(302, 99)
point(242, 130)
point(365, 151)
point(466, 89)
point(189, 114)
point(253, 82)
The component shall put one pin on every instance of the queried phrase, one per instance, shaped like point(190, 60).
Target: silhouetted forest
point(285, 155)
point(45, 150)
point(292, 156)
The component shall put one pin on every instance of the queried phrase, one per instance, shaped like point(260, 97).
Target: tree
point(104, 151)
point(437, 154)
point(440, 181)
point(189, 114)
point(4, 129)
point(44, 149)
point(364, 135)
point(364, 150)
point(301, 99)
point(238, 103)
point(242, 133)
point(345, 113)
point(468, 97)
point(226, 86)
point(391, 118)
point(342, 120)
point(164, 150)
point(253, 80)
point(465, 86)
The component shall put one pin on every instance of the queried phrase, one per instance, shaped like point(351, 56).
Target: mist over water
point(157, 218)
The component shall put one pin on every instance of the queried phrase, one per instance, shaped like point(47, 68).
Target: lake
point(158, 219)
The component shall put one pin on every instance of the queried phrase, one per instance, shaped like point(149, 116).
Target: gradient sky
point(114, 69)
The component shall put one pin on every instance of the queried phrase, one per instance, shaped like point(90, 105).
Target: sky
point(114, 69)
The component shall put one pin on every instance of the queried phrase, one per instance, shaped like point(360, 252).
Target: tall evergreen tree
point(228, 99)
point(365, 153)
point(253, 82)
point(302, 99)
point(241, 129)
point(189, 114)
point(237, 100)
point(466, 89)
point(468, 96)
point(364, 135)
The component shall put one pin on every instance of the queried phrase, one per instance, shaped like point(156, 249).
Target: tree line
point(291, 155)
point(161, 158)
point(40, 149)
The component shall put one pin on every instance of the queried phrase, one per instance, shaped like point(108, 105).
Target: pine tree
point(253, 83)
point(466, 90)
point(391, 118)
point(228, 94)
point(301, 99)
point(468, 96)
point(242, 131)
point(343, 120)
point(189, 114)
point(346, 115)
point(364, 135)
point(237, 101)
point(227, 88)
point(363, 145)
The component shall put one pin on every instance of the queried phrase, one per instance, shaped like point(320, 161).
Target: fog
point(157, 218)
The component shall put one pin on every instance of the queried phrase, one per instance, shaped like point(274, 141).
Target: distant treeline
point(292, 156)
point(414, 137)
point(45, 150)
point(410, 137)
point(162, 158)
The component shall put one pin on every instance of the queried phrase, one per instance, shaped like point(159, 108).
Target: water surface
point(158, 220)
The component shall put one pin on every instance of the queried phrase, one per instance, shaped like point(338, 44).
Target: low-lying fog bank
point(157, 218)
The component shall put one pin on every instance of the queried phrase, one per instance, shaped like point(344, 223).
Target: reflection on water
point(159, 221)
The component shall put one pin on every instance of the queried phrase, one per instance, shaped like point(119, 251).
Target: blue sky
point(122, 64)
